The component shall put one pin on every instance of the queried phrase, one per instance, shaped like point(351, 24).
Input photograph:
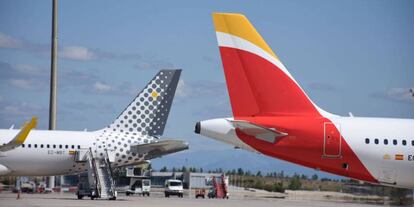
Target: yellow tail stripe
point(239, 25)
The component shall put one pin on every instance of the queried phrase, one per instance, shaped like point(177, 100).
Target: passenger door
point(332, 140)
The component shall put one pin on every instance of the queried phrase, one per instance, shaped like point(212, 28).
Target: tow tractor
point(200, 192)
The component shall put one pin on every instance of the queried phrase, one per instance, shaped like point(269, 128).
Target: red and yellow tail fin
point(239, 26)
point(258, 83)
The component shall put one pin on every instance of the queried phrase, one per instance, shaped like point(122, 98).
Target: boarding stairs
point(220, 187)
point(99, 173)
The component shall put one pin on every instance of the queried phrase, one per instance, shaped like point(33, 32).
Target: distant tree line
point(182, 169)
point(241, 172)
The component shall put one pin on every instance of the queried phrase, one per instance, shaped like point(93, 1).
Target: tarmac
point(237, 198)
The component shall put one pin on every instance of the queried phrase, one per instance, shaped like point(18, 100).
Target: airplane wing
point(160, 148)
point(258, 131)
point(20, 137)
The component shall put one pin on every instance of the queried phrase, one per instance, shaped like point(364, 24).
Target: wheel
point(203, 197)
point(113, 198)
point(80, 197)
point(127, 193)
point(148, 194)
point(92, 198)
point(166, 195)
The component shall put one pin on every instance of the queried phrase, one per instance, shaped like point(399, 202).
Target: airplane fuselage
point(52, 152)
point(376, 150)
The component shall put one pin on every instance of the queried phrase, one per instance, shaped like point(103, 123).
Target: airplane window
point(385, 141)
point(412, 142)
point(404, 142)
point(47, 146)
point(54, 146)
point(376, 141)
point(367, 140)
point(35, 145)
point(394, 142)
point(29, 145)
point(41, 146)
point(78, 146)
point(73, 146)
point(60, 146)
point(66, 146)
point(22, 145)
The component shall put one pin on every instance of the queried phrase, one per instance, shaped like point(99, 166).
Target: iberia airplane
point(132, 138)
point(275, 117)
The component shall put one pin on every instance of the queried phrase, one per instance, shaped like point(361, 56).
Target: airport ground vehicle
point(84, 188)
point(218, 187)
point(28, 187)
point(200, 192)
point(139, 186)
point(212, 193)
point(173, 187)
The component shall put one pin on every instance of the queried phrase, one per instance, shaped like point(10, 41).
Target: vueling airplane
point(275, 117)
point(132, 138)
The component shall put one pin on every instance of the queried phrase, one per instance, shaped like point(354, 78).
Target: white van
point(173, 187)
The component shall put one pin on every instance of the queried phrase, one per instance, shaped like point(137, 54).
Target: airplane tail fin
point(257, 81)
point(147, 114)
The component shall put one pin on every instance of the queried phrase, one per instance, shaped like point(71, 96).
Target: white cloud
point(102, 87)
point(200, 89)
point(29, 69)
point(11, 110)
point(400, 94)
point(7, 41)
point(181, 89)
point(20, 109)
point(77, 53)
point(153, 63)
point(322, 86)
point(22, 83)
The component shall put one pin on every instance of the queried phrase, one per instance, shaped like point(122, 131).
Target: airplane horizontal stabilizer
point(160, 148)
point(255, 130)
point(20, 137)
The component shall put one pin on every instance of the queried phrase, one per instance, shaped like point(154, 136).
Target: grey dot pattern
point(148, 112)
point(143, 119)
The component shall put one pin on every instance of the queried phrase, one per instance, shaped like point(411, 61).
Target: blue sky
point(349, 56)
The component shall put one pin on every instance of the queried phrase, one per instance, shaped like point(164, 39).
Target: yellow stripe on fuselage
point(238, 25)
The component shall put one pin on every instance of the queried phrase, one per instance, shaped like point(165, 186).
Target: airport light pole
point(53, 78)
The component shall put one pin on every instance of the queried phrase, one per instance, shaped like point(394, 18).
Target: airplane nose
point(197, 128)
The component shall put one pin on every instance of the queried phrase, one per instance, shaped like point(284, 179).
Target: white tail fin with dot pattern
point(147, 114)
